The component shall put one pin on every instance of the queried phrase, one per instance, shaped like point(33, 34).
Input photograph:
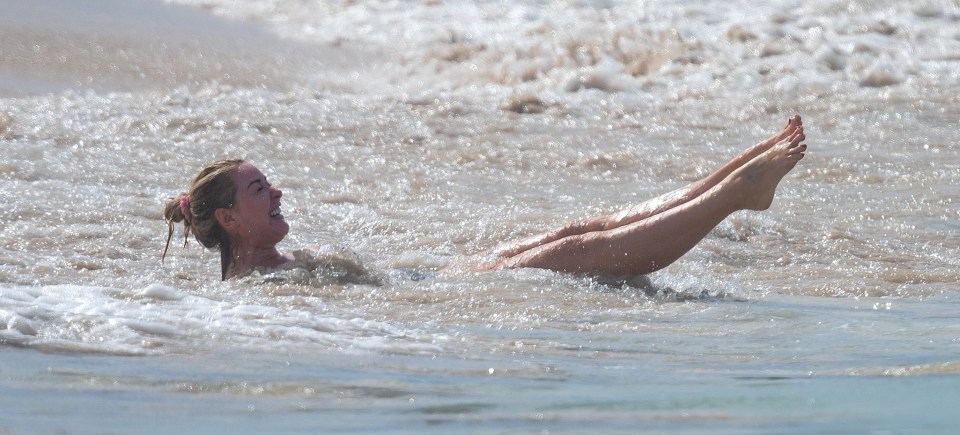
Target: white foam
point(161, 292)
point(160, 318)
point(703, 48)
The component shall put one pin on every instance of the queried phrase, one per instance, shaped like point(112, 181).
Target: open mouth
point(275, 212)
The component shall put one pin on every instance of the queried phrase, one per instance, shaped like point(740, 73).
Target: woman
point(232, 207)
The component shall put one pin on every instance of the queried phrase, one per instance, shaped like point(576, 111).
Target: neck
point(246, 259)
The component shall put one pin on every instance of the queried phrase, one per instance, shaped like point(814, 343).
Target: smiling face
point(255, 220)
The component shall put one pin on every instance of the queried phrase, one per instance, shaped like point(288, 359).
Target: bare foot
point(763, 173)
point(792, 125)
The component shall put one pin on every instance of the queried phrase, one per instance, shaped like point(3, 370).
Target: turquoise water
point(842, 376)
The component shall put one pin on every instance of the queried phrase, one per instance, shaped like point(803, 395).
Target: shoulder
point(337, 249)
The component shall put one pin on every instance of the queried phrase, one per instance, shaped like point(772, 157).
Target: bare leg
point(652, 243)
point(655, 206)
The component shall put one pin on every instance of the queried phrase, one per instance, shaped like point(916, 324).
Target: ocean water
point(419, 132)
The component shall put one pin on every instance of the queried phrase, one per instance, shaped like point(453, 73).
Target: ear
point(226, 218)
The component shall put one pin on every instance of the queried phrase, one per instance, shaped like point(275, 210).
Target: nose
point(275, 193)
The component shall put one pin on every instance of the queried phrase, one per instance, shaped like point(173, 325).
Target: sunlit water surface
point(420, 132)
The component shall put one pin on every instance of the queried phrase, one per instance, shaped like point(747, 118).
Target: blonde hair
point(213, 188)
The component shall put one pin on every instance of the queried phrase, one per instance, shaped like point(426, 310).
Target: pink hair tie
point(185, 208)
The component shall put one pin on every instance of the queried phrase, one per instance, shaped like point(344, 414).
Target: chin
point(282, 231)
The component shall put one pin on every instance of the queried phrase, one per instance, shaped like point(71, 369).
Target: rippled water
point(421, 132)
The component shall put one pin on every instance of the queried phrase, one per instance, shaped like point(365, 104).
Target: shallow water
point(421, 132)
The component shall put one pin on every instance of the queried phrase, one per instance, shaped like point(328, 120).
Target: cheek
point(255, 204)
